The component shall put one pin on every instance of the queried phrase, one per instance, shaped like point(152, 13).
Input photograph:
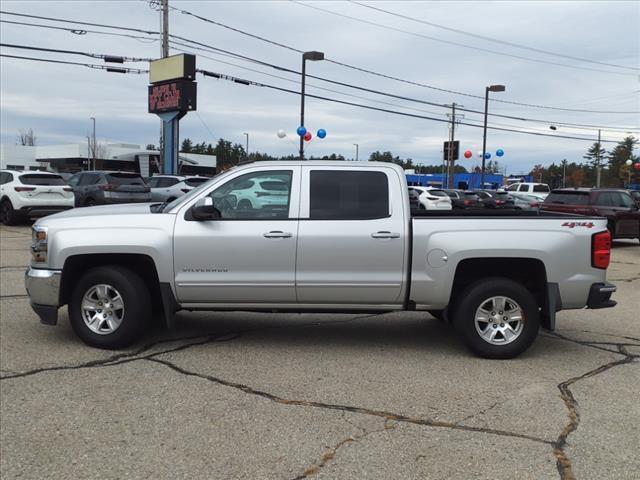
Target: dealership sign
point(173, 96)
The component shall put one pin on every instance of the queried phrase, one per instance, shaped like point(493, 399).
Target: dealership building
point(74, 157)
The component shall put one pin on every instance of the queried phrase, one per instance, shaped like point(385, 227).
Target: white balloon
point(282, 133)
point(479, 152)
point(629, 162)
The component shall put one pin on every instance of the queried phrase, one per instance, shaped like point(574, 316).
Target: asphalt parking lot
point(247, 395)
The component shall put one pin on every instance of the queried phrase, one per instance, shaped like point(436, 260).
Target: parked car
point(525, 201)
point(635, 194)
point(537, 189)
point(616, 205)
point(269, 192)
point(463, 199)
point(414, 199)
point(495, 199)
point(32, 194)
point(345, 240)
point(433, 198)
point(166, 188)
point(103, 188)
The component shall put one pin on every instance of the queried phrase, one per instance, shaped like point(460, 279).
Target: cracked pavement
point(248, 395)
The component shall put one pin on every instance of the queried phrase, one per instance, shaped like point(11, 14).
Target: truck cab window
point(255, 196)
point(348, 195)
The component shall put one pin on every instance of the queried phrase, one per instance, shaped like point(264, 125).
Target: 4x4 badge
point(577, 224)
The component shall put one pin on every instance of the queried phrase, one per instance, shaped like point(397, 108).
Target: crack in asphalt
point(331, 452)
point(483, 411)
point(387, 415)
point(563, 463)
point(13, 296)
point(11, 267)
point(628, 280)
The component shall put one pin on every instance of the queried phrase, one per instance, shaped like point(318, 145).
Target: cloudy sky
point(447, 52)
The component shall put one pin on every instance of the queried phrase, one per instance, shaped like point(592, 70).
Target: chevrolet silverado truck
point(316, 236)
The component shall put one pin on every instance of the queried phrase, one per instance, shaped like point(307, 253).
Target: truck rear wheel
point(497, 318)
point(109, 308)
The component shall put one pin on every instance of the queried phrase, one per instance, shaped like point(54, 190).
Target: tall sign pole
point(165, 28)
point(171, 95)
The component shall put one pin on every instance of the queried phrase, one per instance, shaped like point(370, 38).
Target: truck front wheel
point(497, 318)
point(109, 308)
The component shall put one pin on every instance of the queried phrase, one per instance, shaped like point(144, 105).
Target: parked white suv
point(166, 188)
point(433, 198)
point(32, 194)
point(540, 190)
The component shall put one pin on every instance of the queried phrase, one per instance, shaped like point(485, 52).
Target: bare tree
point(100, 150)
point(27, 138)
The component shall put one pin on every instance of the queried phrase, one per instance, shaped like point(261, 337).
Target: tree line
point(614, 171)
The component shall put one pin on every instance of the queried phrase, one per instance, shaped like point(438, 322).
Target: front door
point(248, 255)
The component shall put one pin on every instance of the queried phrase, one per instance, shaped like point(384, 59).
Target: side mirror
point(205, 210)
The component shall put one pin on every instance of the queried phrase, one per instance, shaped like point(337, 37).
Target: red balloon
point(307, 136)
point(468, 154)
point(636, 165)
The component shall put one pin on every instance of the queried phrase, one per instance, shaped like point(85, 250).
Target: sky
point(56, 101)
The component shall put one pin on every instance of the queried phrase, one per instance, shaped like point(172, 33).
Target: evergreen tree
point(186, 146)
point(617, 158)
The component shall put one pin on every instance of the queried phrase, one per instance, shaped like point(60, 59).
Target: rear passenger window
point(541, 188)
point(348, 195)
point(523, 188)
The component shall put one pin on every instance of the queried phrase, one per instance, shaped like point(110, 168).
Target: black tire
point(475, 296)
point(244, 205)
point(8, 215)
point(136, 311)
point(89, 202)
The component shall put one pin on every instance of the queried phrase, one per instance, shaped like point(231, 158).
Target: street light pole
point(93, 150)
point(313, 56)
point(356, 151)
point(247, 152)
point(490, 88)
point(564, 172)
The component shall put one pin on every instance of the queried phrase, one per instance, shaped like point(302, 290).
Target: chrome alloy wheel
point(499, 320)
point(102, 309)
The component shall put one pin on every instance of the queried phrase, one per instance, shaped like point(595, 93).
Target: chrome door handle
point(277, 234)
point(385, 235)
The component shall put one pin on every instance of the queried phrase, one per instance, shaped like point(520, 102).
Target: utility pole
point(598, 168)
point(93, 150)
point(164, 52)
point(450, 159)
point(564, 172)
point(247, 152)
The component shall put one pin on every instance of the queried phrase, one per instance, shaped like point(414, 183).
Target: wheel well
point(143, 265)
point(529, 272)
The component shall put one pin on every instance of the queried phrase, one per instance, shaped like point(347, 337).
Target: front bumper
point(600, 295)
point(43, 287)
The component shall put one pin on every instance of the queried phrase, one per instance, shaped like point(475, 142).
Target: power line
point(242, 81)
point(185, 12)
point(371, 72)
point(491, 39)
point(80, 32)
point(54, 19)
point(89, 65)
point(401, 97)
point(106, 58)
point(352, 95)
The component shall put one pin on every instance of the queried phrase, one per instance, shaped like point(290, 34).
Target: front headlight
point(39, 244)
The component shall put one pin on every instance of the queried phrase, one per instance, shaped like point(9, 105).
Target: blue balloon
point(487, 156)
point(321, 133)
point(301, 131)
point(499, 152)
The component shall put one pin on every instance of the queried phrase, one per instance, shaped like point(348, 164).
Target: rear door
point(351, 238)
point(626, 214)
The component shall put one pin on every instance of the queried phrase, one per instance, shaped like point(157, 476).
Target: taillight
point(185, 190)
point(468, 202)
point(601, 249)
point(534, 204)
point(24, 189)
point(147, 188)
point(67, 189)
point(109, 187)
point(499, 202)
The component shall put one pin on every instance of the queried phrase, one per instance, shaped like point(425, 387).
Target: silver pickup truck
point(316, 237)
